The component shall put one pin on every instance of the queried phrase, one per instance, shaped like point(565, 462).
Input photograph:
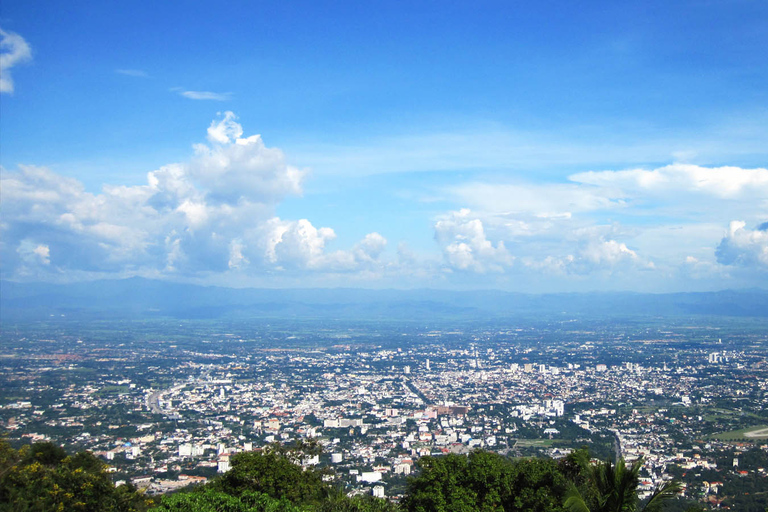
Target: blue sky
point(531, 146)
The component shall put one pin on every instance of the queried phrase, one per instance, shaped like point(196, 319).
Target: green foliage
point(613, 488)
point(485, 482)
point(211, 500)
point(43, 478)
point(272, 481)
point(341, 503)
point(274, 474)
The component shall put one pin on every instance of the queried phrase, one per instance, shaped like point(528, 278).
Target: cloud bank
point(212, 213)
point(213, 218)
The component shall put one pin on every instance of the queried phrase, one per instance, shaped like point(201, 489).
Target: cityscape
point(165, 404)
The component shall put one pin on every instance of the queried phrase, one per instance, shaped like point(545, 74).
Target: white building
point(369, 477)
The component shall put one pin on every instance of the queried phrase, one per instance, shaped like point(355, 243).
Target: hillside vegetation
point(43, 477)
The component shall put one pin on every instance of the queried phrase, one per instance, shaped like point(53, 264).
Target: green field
point(756, 433)
point(113, 390)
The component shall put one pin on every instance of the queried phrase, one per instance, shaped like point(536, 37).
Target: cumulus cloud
point(594, 254)
point(667, 212)
point(744, 247)
point(300, 245)
point(225, 130)
point(233, 166)
point(462, 238)
point(297, 243)
point(212, 213)
point(13, 50)
point(34, 253)
point(607, 253)
point(370, 248)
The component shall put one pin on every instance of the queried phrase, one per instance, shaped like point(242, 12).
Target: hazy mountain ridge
point(135, 297)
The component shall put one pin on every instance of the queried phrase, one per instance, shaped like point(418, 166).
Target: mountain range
point(139, 297)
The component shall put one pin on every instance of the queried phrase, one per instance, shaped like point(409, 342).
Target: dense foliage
point(209, 499)
point(613, 487)
point(43, 478)
point(486, 481)
point(271, 480)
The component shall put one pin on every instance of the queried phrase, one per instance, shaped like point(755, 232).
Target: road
point(416, 391)
point(153, 399)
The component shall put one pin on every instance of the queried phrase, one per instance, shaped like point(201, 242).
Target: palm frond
point(575, 501)
point(662, 493)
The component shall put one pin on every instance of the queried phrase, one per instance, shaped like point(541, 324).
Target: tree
point(42, 477)
point(208, 499)
point(342, 503)
point(612, 488)
point(273, 474)
point(486, 481)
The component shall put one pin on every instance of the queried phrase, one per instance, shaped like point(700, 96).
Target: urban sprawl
point(167, 404)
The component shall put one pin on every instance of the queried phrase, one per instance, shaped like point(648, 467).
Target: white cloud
point(607, 253)
point(637, 191)
point(196, 212)
point(226, 129)
point(300, 245)
point(296, 243)
point(173, 251)
point(552, 244)
point(462, 238)
point(722, 182)
point(213, 213)
point(665, 213)
point(744, 247)
point(556, 200)
point(34, 253)
point(234, 166)
point(236, 258)
point(13, 50)
point(593, 255)
point(206, 95)
point(370, 247)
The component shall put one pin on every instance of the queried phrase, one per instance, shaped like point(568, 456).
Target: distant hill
point(138, 297)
